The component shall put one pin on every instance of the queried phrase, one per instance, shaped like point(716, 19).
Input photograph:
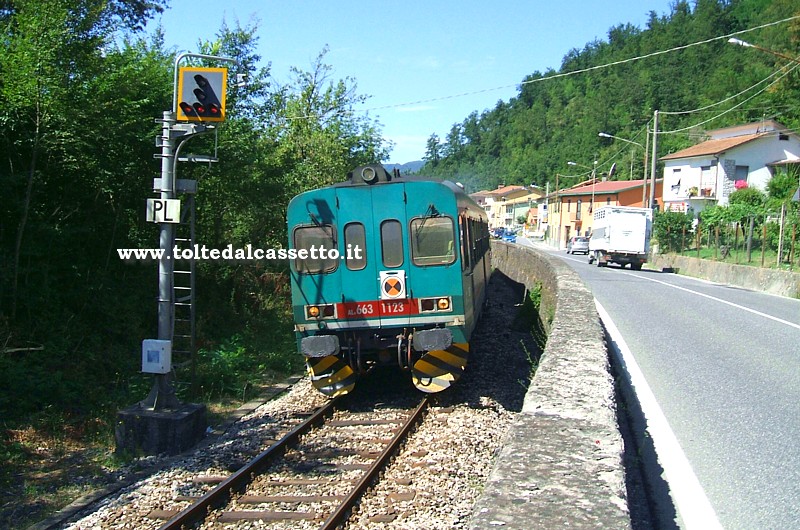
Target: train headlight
point(443, 303)
point(368, 174)
point(320, 311)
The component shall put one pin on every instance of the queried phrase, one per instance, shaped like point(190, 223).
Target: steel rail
point(342, 511)
point(242, 477)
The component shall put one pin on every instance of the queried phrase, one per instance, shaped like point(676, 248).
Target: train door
point(374, 282)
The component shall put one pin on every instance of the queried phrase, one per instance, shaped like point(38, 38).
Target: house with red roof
point(569, 211)
point(506, 203)
point(707, 173)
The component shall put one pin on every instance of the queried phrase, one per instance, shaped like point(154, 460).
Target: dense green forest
point(81, 85)
point(80, 89)
point(557, 115)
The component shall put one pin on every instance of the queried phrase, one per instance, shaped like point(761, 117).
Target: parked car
point(578, 244)
point(498, 233)
point(510, 236)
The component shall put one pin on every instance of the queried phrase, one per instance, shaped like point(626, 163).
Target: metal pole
point(653, 161)
point(594, 180)
point(646, 149)
point(780, 235)
point(162, 395)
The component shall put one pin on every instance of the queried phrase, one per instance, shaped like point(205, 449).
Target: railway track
point(316, 472)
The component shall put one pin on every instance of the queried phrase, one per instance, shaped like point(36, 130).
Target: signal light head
point(201, 94)
point(187, 109)
point(201, 81)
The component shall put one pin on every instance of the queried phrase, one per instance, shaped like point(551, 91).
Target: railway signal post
point(161, 423)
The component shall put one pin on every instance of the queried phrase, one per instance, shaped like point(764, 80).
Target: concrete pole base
point(144, 431)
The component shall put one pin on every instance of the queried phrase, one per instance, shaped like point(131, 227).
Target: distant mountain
point(407, 168)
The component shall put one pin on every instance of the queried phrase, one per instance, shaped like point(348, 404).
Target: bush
point(670, 229)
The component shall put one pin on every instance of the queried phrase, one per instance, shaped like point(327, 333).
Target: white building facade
point(707, 173)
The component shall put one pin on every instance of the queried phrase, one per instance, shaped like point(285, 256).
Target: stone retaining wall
point(561, 465)
point(783, 283)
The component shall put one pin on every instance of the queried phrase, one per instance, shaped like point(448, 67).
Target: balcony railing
point(701, 193)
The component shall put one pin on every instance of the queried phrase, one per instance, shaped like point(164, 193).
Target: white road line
point(737, 306)
point(688, 495)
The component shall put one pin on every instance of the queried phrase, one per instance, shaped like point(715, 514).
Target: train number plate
point(376, 309)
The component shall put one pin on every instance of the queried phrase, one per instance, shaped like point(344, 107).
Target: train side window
point(392, 243)
point(318, 237)
point(463, 224)
point(355, 246)
point(472, 238)
point(432, 241)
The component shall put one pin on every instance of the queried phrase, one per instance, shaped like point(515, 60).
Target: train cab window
point(432, 241)
point(392, 243)
point(318, 237)
point(355, 246)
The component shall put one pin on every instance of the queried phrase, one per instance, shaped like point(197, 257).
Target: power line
point(787, 72)
point(558, 75)
point(675, 113)
point(584, 70)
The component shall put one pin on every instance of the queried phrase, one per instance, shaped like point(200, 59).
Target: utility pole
point(644, 169)
point(653, 161)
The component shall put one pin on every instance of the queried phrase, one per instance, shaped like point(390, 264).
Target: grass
point(52, 459)
point(738, 256)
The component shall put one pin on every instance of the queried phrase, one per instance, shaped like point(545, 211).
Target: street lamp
point(644, 170)
point(606, 135)
point(557, 202)
point(740, 42)
point(594, 172)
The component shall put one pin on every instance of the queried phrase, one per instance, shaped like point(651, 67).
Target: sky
point(414, 59)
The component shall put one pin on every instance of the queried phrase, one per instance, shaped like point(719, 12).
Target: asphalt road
point(724, 366)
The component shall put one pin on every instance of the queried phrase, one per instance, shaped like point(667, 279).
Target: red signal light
point(213, 109)
point(200, 109)
point(187, 109)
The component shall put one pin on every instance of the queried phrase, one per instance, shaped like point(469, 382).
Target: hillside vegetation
point(557, 114)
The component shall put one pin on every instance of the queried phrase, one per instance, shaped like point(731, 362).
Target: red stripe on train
point(377, 309)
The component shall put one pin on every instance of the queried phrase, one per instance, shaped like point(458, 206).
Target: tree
point(319, 132)
point(433, 150)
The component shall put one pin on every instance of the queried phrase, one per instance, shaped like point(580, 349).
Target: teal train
point(386, 270)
